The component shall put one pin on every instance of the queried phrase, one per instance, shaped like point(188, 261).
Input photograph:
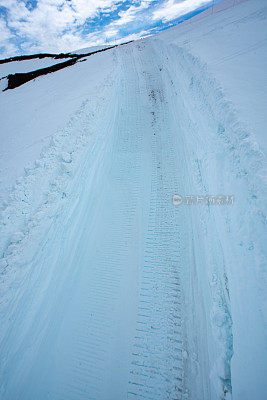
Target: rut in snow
point(115, 295)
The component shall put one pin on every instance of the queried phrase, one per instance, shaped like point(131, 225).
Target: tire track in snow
point(157, 357)
point(108, 322)
point(116, 261)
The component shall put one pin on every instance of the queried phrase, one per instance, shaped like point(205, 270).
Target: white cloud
point(7, 48)
point(4, 32)
point(111, 32)
point(171, 9)
point(134, 36)
point(54, 24)
point(130, 14)
point(129, 17)
point(57, 25)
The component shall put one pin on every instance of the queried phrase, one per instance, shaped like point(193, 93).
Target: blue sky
point(32, 26)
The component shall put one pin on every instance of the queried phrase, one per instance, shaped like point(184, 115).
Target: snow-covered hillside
point(111, 288)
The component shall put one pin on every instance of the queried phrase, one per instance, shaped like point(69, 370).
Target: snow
point(14, 67)
point(22, 66)
point(233, 44)
point(108, 290)
point(238, 61)
point(41, 108)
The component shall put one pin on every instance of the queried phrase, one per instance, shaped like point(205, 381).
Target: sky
point(38, 26)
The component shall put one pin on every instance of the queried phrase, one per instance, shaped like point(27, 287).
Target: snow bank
point(41, 107)
point(233, 44)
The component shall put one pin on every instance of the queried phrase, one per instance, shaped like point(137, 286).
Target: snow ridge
point(27, 216)
point(238, 165)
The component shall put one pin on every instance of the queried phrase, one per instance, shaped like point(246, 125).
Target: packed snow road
point(107, 323)
point(126, 296)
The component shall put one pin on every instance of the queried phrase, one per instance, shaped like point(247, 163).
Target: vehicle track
point(157, 365)
point(107, 321)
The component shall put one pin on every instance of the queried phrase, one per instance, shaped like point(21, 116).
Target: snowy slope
point(28, 65)
point(14, 67)
point(108, 290)
point(42, 107)
point(233, 43)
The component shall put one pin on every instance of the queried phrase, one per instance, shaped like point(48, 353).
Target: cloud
point(6, 45)
point(130, 14)
point(53, 25)
point(134, 36)
point(29, 26)
point(135, 18)
point(4, 32)
point(171, 10)
point(111, 32)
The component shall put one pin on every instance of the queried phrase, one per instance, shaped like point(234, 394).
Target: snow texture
point(108, 290)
